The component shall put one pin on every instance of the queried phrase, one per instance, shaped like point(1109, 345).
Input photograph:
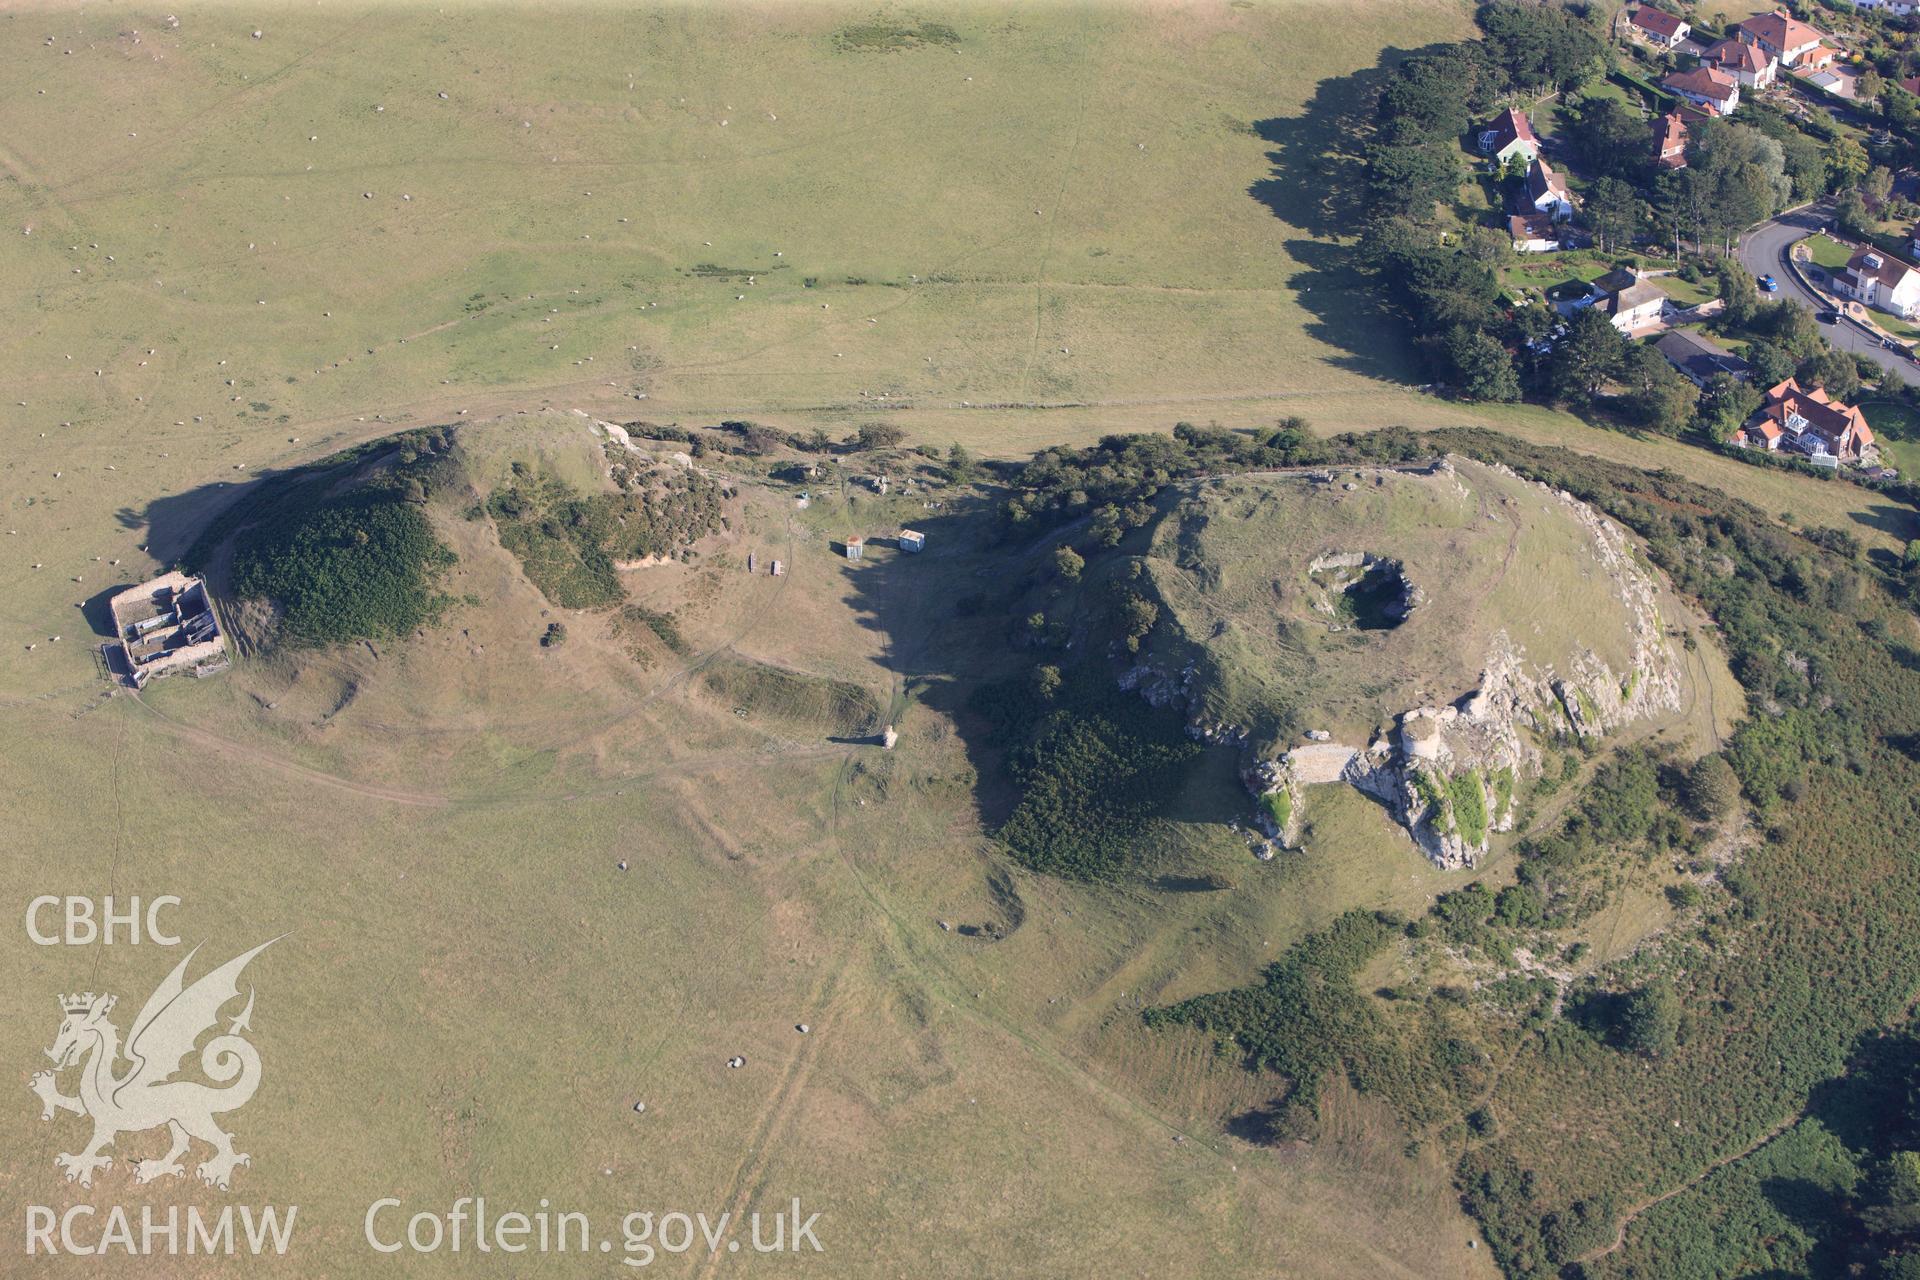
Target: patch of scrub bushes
point(569, 544)
point(1095, 766)
point(343, 549)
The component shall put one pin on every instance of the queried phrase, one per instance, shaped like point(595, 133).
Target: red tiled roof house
point(1670, 141)
point(1780, 34)
point(1806, 421)
point(1748, 64)
point(1658, 27)
point(1706, 87)
point(1509, 134)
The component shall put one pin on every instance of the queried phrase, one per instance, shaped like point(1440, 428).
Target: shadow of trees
point(1316, 185)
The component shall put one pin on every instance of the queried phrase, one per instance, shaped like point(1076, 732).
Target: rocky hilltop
point(1418, 634)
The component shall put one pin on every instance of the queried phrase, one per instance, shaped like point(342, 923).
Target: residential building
point(1881, 281)
point(1780, 34)
point(1533, 232)
point(1749, 64)
point(1670, 141)
point(1912, 85)
point(1897, 8)
point(1507, 135)
point(1547, 191)
point(1807, 422)
point(1658, 27)
point(1699, 357)
point(1708, 88)
point(1635, 307)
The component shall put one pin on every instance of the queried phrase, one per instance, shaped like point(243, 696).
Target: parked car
point(1769, 285)
point(1828, 317)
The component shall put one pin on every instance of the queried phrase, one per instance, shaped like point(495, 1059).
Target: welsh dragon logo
point(145, 1096)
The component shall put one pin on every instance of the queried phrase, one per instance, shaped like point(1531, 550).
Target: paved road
point(1763, 251)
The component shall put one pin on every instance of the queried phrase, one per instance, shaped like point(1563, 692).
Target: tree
point(1833, 369)
point(1877, 185)
point(1587, 356)
point(1482, 368)
point(960, 464)
point(1541, 47)
point(1410, 179)
point(1046, 682)
point(1137, 616)
point(1657, 397)
point(1615, 211)
point(1725, 405)
point(1737, 290)
point(1851, 213)
point(1846, 163)
point(1068, 563)
point(1771, 363)
point(878, 435)
point(1649, 1021)
point(1611, 138)
point(1712, 788)
point(1870, 86)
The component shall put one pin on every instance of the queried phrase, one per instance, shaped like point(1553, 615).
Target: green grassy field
point(1896, 429)
point(224, 254)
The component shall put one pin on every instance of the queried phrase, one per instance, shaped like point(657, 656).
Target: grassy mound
point(344, 549)
point(758, 688)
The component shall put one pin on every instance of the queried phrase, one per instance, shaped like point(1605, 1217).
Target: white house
point(1636, 306)
point(1898, 8)
point(1547, 191)
point(1749, 64)
point(1658, 27)
point(1782, 35)
point(1880, 281)
point(1708, 88)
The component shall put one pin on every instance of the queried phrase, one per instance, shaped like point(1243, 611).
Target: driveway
point(1763, 251)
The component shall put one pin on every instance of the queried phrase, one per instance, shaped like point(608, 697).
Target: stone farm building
point(167, 625)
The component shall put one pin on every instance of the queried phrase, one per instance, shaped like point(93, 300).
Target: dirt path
point(1627, 1219)
point(252, 754)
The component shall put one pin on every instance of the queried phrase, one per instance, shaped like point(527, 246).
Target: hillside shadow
point(1347, 314)
point(940, 615)
point(173, 522)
